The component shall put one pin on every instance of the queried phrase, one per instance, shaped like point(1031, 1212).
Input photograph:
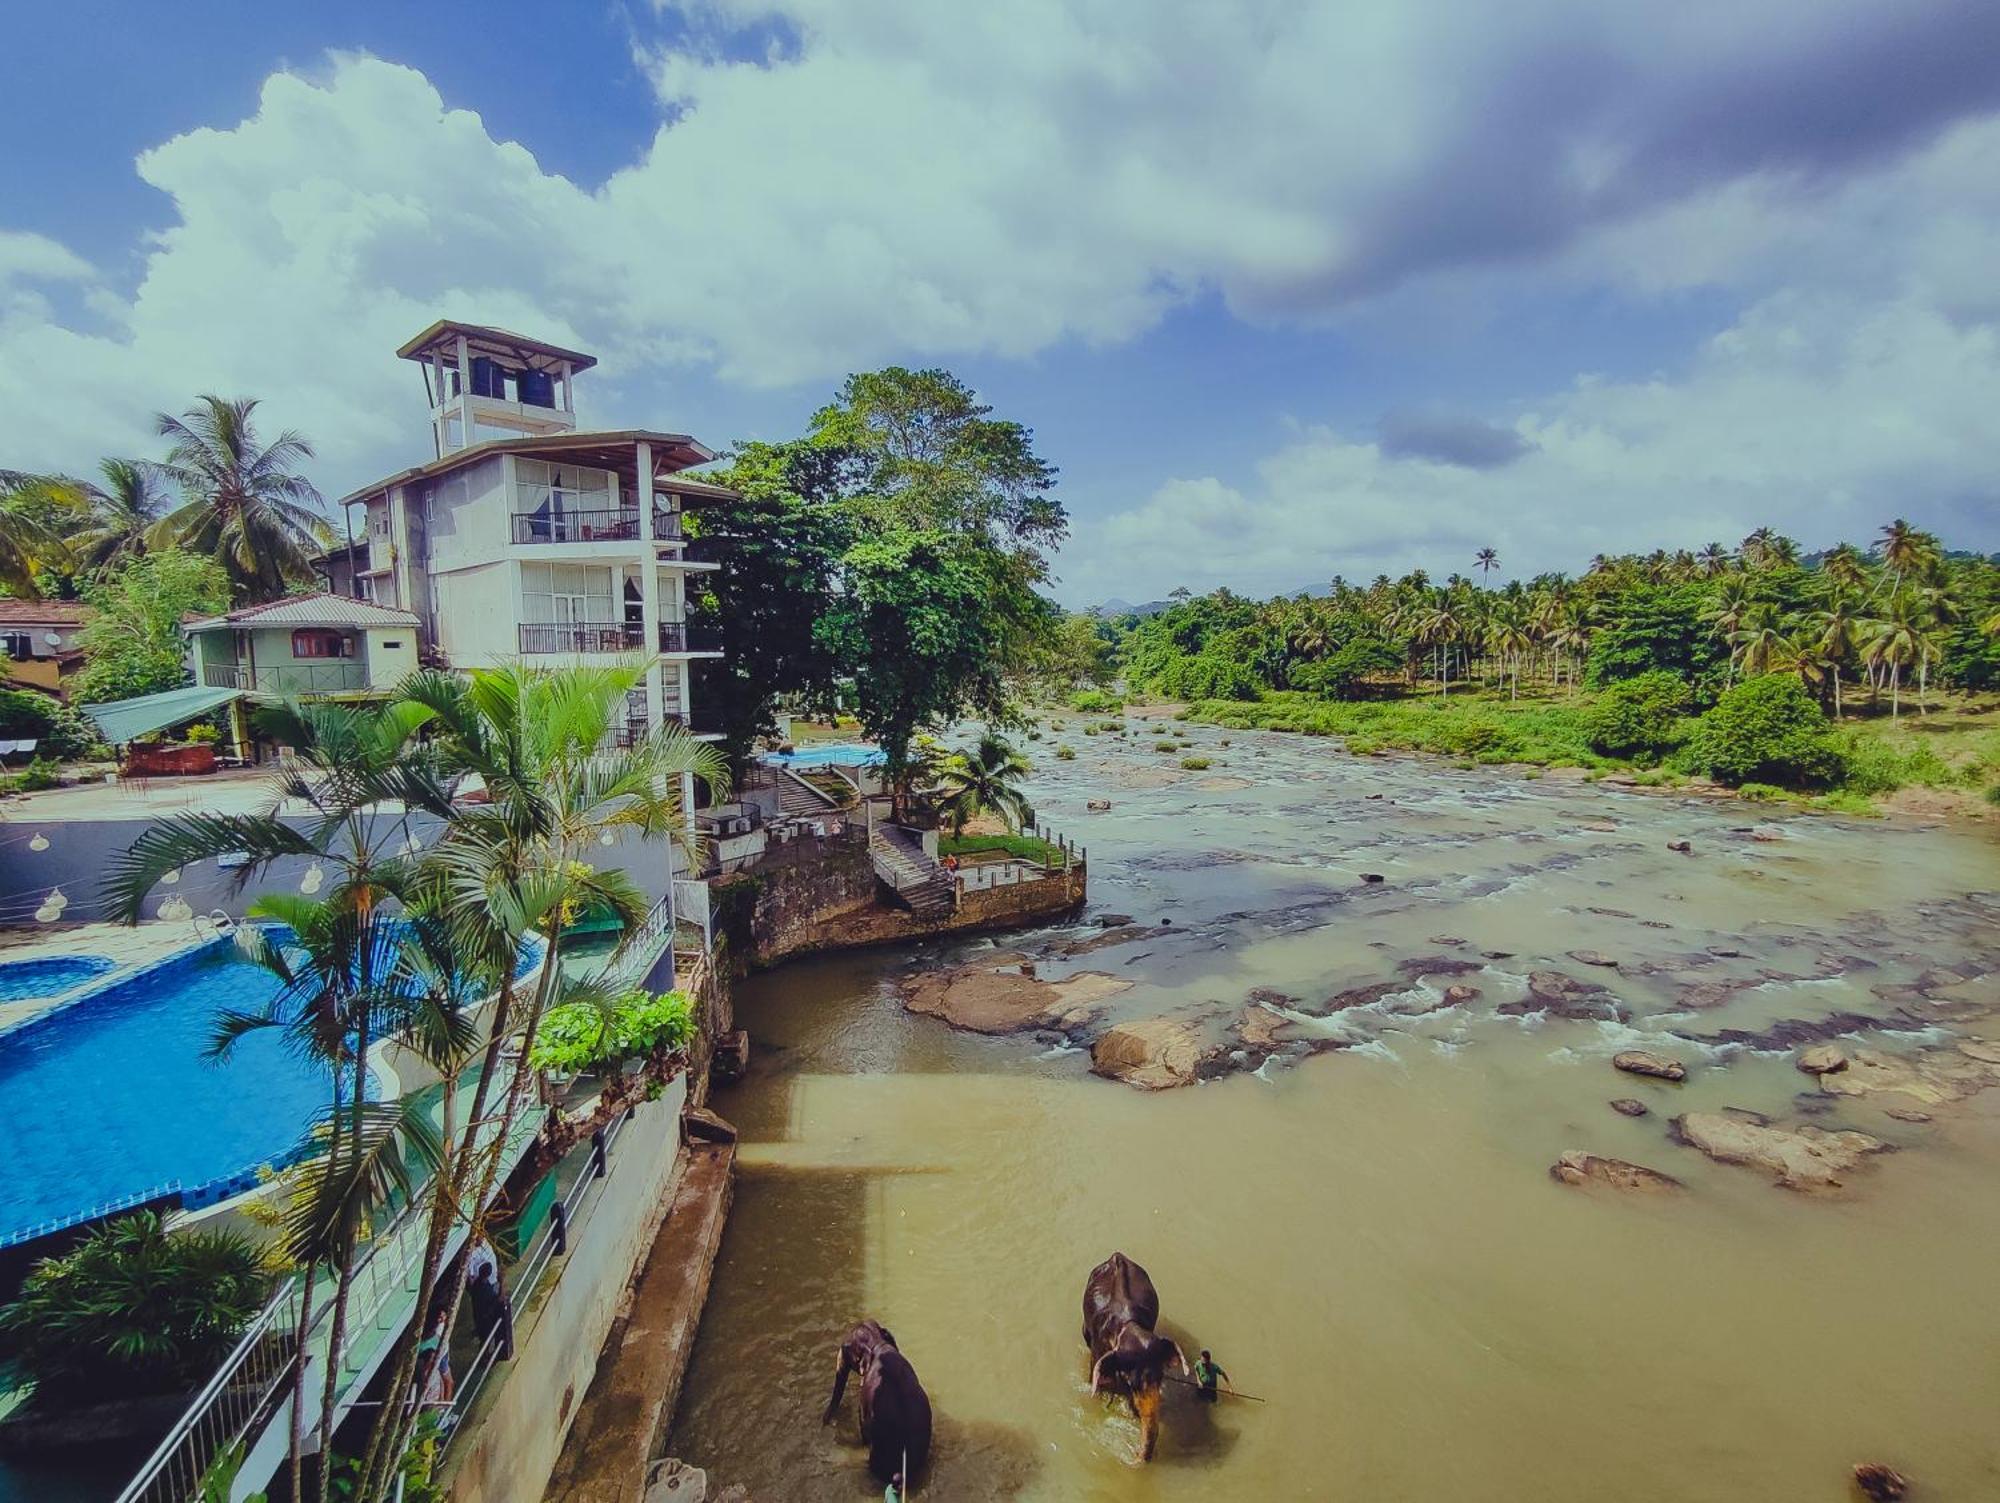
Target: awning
point(124, 720)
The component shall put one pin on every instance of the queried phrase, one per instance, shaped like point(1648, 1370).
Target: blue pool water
point(111, 1098)
point(49, 976)
point(839, 753)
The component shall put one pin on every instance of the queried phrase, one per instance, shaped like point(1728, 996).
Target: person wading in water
point(1206, 1373)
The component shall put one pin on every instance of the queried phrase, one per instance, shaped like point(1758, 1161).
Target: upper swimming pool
point(840, 753)
point(48, 975)
point(111, 1100)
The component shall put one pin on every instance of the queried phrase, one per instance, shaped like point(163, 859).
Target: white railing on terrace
point(227, 1409)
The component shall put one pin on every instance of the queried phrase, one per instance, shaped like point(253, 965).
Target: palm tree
point(1488, 560)
point(1905, 550)
point(1835, 634)
point(351, 761)
point(243, 502)
point(512, 871)
point(26, 536)
point(1758, 644)
point(125, 511)
point(1714, 559)
point(1895, 642)
point(1845, 568)
point(985, 779)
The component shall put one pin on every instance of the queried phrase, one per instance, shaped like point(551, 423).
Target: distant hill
point(1112, 609)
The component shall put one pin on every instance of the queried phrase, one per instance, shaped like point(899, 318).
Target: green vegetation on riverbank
point(1843, 675)
point(1955, 748)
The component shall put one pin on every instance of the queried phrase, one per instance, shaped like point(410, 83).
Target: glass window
point(566, 592)
point(315, 642)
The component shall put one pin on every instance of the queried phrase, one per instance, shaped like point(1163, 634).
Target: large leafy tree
point(133, 642)
point(778, 543)
point(244, 502)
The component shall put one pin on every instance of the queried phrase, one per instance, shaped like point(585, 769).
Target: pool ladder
point(215, 924)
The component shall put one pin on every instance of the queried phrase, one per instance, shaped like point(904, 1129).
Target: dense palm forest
point(1630, 660)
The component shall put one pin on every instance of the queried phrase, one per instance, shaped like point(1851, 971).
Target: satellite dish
point(53, 638)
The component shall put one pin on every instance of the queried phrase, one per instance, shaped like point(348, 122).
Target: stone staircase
point(920, 884)
point(831, 782)
point(799, 795)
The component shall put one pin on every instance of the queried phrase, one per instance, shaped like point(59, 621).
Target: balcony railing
point(288, 678)
point(576, 526)
point(683, 636)
point(577, 636)
point(666, 525)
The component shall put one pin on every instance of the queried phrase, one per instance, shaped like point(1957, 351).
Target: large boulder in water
point(1822, 1059)
point(1645, 1062)
point(1154, 1054)
point(1931, 1078)
point(1799, 1158)
point(1576, 1167)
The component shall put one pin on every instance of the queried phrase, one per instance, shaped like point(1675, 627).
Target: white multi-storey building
point(525, 537)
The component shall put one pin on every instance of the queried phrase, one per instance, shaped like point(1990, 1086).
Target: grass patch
point(1026, 847)
point(1195, 764)
point(1065, 754)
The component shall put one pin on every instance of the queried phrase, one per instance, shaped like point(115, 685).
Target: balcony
point(682, 636)
point(666, 525)
point(577, 526)
point(578, 636)
point(303, 679)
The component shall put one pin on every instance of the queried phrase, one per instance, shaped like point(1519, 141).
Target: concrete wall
point(510, 1446)
point(816, 895)
point(391, 654)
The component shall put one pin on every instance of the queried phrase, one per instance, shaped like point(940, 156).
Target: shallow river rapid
point(1369, 1237)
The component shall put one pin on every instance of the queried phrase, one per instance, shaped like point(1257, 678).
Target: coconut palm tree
point(26, 536)
point(1488, 560)
point(1835, 634)
point(243, 502)
point(513, 871)
point(125, 511)
point(985, 778)
point(1758, 644)
point(1895, 642)
point(1905, 550)
point(1845, 568)
point(1714, 559)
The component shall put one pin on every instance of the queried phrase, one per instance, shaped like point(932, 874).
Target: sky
point(1287, 290)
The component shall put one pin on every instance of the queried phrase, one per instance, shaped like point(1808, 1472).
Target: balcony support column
point(649, 588)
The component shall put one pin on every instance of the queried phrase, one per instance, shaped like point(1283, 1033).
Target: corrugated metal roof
point(317, 609)
point(124, 720)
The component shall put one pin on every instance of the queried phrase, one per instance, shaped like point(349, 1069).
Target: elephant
point(895, 1411)
point(1120, 1310)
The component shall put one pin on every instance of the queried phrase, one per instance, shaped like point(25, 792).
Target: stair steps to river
point(920, 884)
point(801, 796)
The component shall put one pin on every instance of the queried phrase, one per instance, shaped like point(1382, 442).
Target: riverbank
point(1940, 764)
point(1363, 1223)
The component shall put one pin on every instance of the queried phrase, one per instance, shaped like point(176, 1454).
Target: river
point(1369, 1237)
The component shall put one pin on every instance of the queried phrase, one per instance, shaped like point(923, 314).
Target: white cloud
point(906, 180)
point(1821, 414)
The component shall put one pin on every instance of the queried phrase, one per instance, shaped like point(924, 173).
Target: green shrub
point(1095, 701)
point(1208, 676)
point(202, 735)
point(1874, 765)
point(578, 1036)
point(1165, 746)
point(1065, 754)
point(1091, 730)
point(132, 1309)
point(62, 731)
point(37, 775)
point(1639, 717)
point(1765, 730)
point(1195, 764)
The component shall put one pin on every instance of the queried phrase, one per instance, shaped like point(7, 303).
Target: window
point(566, 593)
point(18, 645)
point(543, 490)
point(315, 642)
point(392, 646)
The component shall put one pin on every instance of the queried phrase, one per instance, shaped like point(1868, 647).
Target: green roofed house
point(305, 646)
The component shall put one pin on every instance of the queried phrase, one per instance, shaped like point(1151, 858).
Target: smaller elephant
point(895, 1411)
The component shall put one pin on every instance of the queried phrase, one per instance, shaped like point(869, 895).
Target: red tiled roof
point(45, 612)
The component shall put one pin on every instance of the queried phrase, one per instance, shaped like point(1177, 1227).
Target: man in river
point(1206, 1373)
point(893, 1493)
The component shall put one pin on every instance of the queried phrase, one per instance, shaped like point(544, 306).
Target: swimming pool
point(49, 975)
point(839, 753)
point(110, 1100)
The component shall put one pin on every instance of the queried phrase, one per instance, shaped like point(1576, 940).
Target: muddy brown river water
point(1364, 1227)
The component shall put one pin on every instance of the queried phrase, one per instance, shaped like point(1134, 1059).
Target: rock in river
point(1645, 1062)
point(1154, 1054)
point(1629, 1106)
point(1801, 1158)
point(1822, 1059)
point(1576, 1167)
point(1882, 1484)
point(1592, 957)
point(985, 1000)
point(1930, 1077)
